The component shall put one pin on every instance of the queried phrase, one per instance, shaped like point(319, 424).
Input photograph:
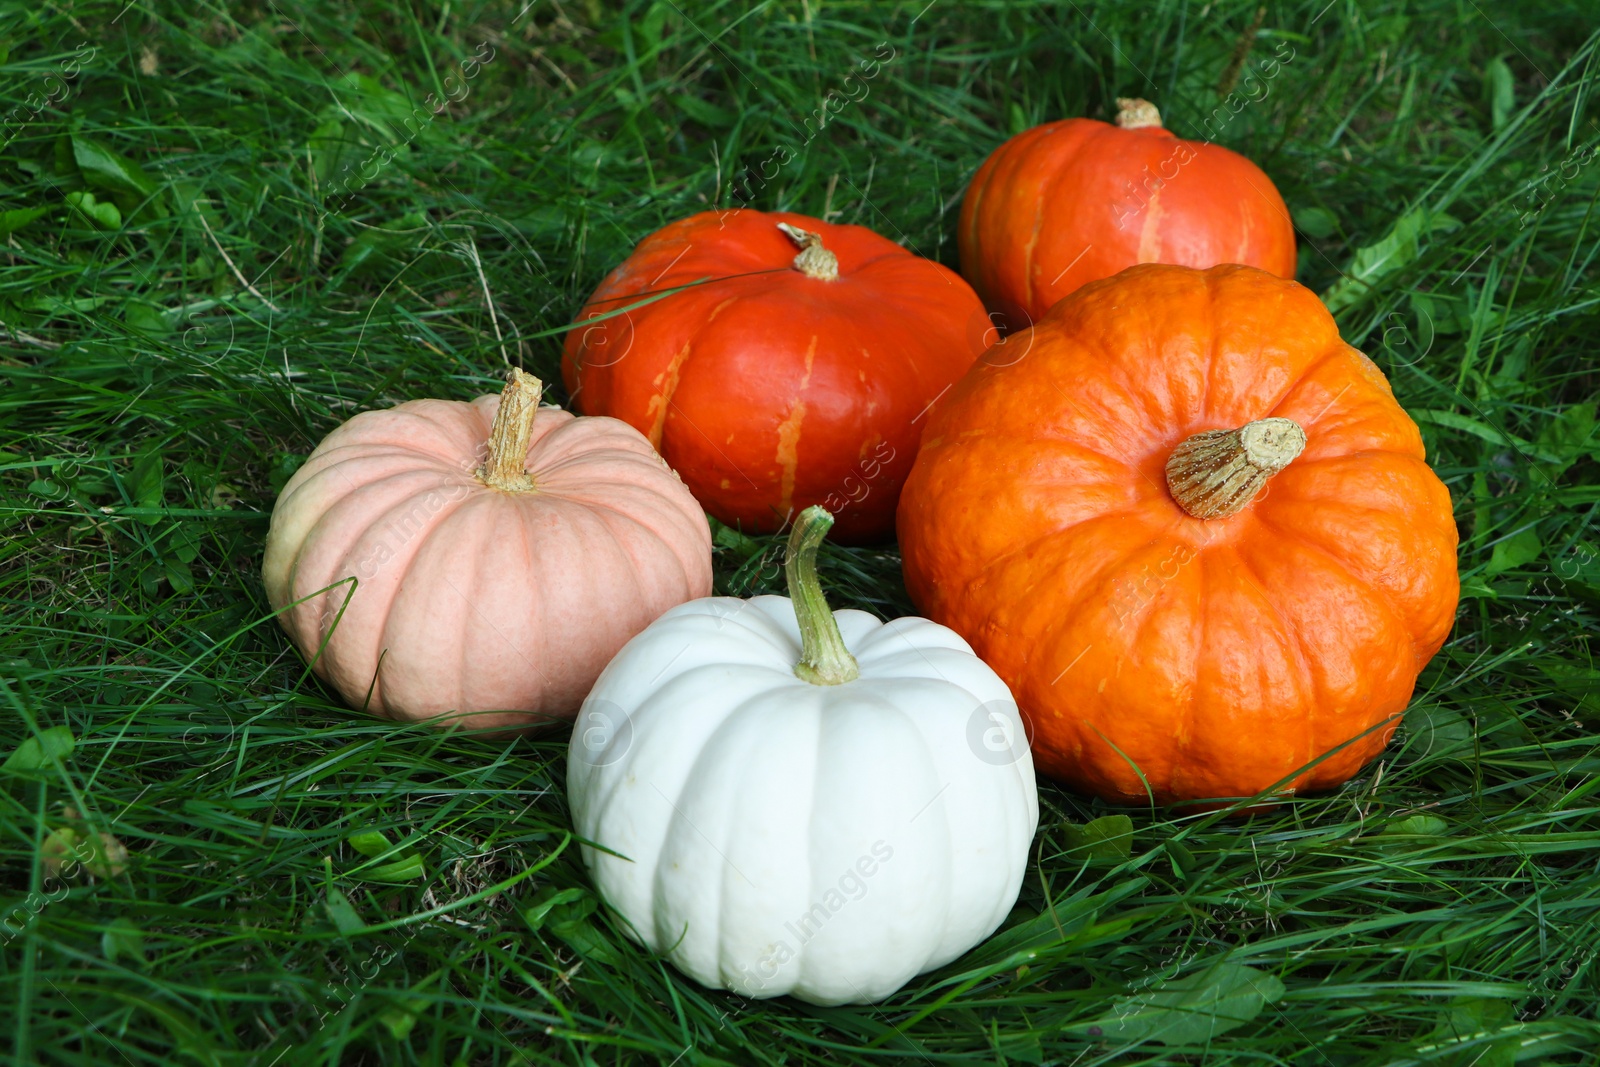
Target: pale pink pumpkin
point(498, 563)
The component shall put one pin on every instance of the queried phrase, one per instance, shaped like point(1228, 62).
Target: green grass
point(1442, 908)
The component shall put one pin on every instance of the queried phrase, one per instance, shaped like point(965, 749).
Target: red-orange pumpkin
point(788, 380)
point(1074, 201)
point(1122, 524)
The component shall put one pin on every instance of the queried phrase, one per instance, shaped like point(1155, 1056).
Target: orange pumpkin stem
point(824, 657)
point(1133, 113)
point(507, 466)
point(1217, 473)
point(814, 261)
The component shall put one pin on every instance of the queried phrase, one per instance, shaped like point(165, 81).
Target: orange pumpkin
point(1193, 531)
point(788, 380)
point(1074, 201)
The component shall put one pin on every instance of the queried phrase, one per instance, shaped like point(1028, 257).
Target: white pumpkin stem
point(1214, 474)
point(507, 466)
point(824, 659)
point(1134, 114)
point(814, 261)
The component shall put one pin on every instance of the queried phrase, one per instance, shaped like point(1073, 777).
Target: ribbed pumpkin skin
point(501, 607)
point(736, 793)
point(1219, 655)
point(767, 390)
point(1074, 201)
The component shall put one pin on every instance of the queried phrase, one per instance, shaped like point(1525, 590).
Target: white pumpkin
point(824, 814)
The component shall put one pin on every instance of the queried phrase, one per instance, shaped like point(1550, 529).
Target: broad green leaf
point(373, 844)
point(543, 223)
point(1512, 552)
point(1017, 119)
point(19, 217)
point(1315, 222)
point(1438, 315)
point(1579, 683)
point(549, 899)
point(1473, 1022)
point(148, 319)
point(649, 27)
point(1501, 90)
point(1020, 1048)
point(147, 484)
point(370, 843)
point(389, 117)
point(179, 576)
point(52, 744)
point(706, 114)
point(565, 913)
point(1579, 571)
point(62, 163)
point(335, 149)
point(356, 139)
point(582, 937)
point(1478, 428)
point(55, 305)
point(104, 216)
point(1189, 1010)
point(1438, 731)
point(399, 1019)
point(1418, 826)
point(183, 544)
point(105, 169)
point(284, 465)
point(342, 913)
point(1394, 251)
point(1568, 437)
point(1108, 839)
point(728, 537)
point(404, 869)
point(1182, 859)
point(122, 178)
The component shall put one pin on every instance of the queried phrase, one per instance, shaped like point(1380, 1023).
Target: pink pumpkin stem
point(506, 468)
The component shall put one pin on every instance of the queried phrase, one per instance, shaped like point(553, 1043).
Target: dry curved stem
point(1217, 473)
point(1134, 113)
point(506, 468)
point(814, 261)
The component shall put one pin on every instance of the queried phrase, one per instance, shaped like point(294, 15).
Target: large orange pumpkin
point(1074, 201)
point(1123, 524)
point(788, 380)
